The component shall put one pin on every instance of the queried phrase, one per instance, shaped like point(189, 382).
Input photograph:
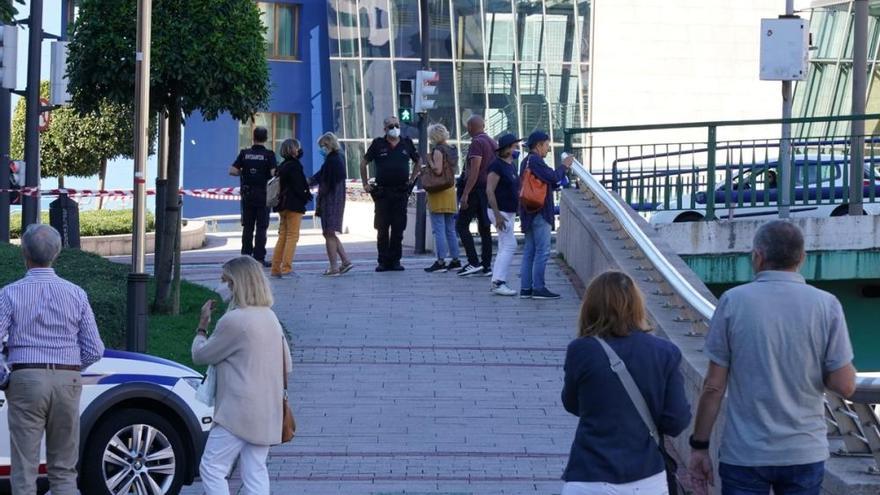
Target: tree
point(207, 56)
point(75, 144)
point(8, 11)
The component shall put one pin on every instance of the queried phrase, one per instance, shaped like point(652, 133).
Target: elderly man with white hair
point(52, 337)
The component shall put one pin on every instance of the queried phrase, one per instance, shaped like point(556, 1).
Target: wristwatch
point(698, 444)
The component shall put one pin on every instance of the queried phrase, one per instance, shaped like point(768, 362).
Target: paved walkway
point(421, 384)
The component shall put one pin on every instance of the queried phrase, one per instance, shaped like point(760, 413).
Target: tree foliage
point(77, 144)
point(206, 55)
point(8, 10)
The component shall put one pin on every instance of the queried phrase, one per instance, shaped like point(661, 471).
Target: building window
point(281, 126)
point(282, 30)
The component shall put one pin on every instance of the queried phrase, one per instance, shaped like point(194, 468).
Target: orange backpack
point(533, 192)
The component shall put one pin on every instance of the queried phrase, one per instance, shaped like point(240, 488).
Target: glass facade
point(828, 87)
point(522, 64)
point(281, 126)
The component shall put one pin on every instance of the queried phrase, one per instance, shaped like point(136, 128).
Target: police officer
point(255, 166)
point(391, 156)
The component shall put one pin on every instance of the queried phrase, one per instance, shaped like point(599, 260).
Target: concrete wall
point(820, 234)
point(656, 61)
point(591, 242)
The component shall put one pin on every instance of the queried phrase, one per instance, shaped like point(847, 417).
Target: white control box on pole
point(785, 49)
point(58, 75)
point(9, 57)
point(426, 90)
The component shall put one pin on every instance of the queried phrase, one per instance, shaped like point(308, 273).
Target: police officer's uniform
point(390, 195)
point(256, 165)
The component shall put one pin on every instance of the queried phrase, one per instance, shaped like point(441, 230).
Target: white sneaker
point(469, 270)
point(501, 289)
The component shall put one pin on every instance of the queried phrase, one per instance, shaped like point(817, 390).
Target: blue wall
point(301, 87)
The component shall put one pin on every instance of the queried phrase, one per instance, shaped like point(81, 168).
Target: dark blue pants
point(255, 223)
point(803, 479)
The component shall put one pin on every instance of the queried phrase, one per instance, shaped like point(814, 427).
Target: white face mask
point(224, 292)
point(394, 132)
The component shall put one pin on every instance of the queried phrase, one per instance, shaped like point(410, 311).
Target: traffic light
point(405, 100)
point(8, 56)
point(426, 90)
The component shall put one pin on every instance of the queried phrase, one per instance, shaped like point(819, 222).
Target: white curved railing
point(844, 416)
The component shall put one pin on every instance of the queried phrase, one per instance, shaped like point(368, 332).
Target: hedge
point(91, 222)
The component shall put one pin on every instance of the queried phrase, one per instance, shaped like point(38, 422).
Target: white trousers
point(220, 452)
point(506, 247)
point(652, 485)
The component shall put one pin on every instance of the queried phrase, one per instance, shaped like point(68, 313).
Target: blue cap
point(537, 137)
point(507, 140)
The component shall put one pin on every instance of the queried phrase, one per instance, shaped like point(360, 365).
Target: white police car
point(142, 430)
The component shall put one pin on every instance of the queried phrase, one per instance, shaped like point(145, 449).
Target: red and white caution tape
point(221, 193)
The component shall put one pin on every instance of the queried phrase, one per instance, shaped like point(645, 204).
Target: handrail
point(867, 384)
point(721, 123)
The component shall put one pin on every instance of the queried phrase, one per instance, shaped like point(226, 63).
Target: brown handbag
point(533, 192)
point(288, 424)
point(433, 182)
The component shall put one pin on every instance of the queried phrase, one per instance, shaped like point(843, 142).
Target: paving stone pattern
point(420, 383)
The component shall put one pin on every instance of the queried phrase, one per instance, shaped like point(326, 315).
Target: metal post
point(785, 179)
point(161, 181)
point(712, 144)
point(136, 338)
point(31, 204)
point(5, 124)
point(859, 93)
point(421, 199)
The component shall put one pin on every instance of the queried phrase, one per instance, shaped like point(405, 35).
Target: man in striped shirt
point(52, 336)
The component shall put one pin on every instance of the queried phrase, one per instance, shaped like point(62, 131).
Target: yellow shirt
point(442, 201)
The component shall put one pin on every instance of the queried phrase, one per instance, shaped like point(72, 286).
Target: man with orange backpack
point(537, 214)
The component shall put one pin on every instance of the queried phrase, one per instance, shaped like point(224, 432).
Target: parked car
point(142, 430)
point(816, 178)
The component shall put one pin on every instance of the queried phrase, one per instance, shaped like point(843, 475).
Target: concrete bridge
point(600, 231)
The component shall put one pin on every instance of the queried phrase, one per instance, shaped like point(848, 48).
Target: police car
point(142, 430)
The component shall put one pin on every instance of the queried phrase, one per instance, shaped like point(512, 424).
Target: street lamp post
point(30, 204)
point(859, 93)
point(785, 143)
point(421, 200)
point(136, 337)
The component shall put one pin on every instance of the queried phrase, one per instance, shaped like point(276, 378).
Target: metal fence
point(732, 177)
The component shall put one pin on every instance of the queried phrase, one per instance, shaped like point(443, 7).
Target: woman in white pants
point(502, 190)
point(249, 352)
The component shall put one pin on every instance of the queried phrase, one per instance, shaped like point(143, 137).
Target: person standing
point(295, 195)
point(612, 445)
point(774, 345)
point(538, 225)
point(250, 353)
point(441, 204)
point(473, 203)
point(331, 202)
point(254, 166)
point(502, 191)
point(52, 337)
point(391, 155)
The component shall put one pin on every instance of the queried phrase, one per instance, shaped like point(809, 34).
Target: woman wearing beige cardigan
point(249, 352)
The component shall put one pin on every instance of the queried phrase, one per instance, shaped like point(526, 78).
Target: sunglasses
point(393, 126)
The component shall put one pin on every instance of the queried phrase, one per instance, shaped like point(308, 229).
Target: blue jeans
point(535, 254)
point(445, 240)
point(804, 479)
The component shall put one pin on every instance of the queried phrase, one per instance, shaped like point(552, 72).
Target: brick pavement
point(420, 383)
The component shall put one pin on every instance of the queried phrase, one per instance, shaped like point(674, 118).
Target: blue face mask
point(515, 154)
point(323, 152)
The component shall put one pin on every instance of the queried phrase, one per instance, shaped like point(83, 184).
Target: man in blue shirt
point(538, 225)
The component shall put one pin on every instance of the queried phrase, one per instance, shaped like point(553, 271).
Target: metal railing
point(728, 177)
point(856, 420)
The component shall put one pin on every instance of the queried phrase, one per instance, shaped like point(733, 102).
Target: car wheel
point(843, 210)
point(133, 451)
point(688, 217)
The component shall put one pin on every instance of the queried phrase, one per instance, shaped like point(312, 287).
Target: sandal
point(346, 267)
point(331, 273)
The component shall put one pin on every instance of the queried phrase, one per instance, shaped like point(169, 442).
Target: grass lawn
point(105, 283)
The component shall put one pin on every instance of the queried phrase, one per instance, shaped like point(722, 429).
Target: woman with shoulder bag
point(250, 355)
point(295, 195)
point(614, 445)
point(442, 204)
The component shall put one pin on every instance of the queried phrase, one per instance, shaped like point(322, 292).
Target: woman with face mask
point(295, 195)
point(331, 202)
point(502, 191)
